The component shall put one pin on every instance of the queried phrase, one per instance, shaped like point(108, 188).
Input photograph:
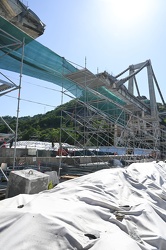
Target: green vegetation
point(43, 127)
point(47, 127)
point(39, 127)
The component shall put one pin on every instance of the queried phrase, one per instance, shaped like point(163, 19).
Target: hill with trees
point(47, 127)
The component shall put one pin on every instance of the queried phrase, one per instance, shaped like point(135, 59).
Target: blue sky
point(111, 34)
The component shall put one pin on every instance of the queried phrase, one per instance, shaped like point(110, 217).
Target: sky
point(109, 35)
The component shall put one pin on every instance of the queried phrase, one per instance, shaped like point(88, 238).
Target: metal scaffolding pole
point(18, 104)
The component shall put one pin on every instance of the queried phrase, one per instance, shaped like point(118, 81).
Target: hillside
point(42, 127)
point(46, 127)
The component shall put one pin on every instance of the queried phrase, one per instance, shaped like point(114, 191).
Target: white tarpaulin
point(112, 209)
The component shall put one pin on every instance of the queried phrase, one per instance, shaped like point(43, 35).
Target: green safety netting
point(42, 63)
point(39, 61)
point(115, 113)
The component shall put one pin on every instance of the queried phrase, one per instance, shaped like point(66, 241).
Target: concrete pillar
point(131, 83)
point(153, 105)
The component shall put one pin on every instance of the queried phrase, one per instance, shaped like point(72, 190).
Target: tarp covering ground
point(110, 209)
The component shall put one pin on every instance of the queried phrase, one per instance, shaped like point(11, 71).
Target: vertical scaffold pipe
point(18, 103)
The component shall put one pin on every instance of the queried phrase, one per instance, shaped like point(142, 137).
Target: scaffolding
point(108, 119)
point(15, 16)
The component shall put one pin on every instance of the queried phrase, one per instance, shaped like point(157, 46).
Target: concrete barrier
point(27, 181)
point(53, 177)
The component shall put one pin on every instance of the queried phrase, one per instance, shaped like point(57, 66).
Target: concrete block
point(85, 159)
point(53, 177)
point(27, 181)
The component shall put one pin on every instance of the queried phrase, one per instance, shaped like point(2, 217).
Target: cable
point(32, 101)
point(34, 84)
